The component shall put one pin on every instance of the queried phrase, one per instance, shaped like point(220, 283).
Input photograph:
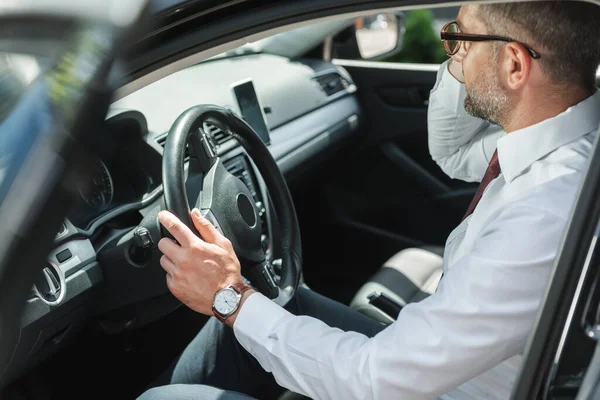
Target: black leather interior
point(398, 283)
point(287, 395)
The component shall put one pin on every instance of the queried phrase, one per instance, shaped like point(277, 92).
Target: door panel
point(383, 194)
point(404, 190)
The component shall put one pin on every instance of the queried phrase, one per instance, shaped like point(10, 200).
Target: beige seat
point(409, 276)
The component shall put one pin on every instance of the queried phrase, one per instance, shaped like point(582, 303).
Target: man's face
point(486, 98)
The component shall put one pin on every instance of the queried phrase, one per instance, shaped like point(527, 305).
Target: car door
point(402, 189)
point(54, 61)
point(562, 356)
point(384, 193)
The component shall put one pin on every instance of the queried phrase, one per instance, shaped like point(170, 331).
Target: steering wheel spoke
point(263, 278)
point(200, 148)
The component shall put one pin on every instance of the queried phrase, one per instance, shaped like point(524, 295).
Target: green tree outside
point(422, 43)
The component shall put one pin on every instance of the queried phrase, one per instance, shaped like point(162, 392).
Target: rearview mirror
point(379, 35)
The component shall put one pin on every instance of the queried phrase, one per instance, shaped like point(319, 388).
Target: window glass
point(421, 41)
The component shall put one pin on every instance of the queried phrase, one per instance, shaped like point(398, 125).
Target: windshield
point(17, 71)
point(292, 43)
point(20, 109)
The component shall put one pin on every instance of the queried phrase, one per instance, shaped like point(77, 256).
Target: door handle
point(411, 97)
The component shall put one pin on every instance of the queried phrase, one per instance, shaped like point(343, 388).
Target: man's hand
point(197, 269)
point(456, 70)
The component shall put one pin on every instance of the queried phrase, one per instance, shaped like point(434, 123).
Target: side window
point(422, 43)
point(404, 37)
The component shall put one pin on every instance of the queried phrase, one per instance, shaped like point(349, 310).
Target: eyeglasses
point(452, 38)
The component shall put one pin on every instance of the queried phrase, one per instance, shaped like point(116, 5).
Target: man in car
point(517, 109)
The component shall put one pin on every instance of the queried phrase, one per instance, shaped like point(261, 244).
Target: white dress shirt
point(497, 264)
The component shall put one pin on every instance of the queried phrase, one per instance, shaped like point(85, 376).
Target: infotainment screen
point(251, 108)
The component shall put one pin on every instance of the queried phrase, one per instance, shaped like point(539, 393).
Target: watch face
point(226, 301)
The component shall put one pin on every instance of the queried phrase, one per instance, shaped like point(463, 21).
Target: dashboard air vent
point(238, 167)
point(163, 139)
point(217, 135)
point(332, 83)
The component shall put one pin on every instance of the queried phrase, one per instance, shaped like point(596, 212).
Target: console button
point(64, 255)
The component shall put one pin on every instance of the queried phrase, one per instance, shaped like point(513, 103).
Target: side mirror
point(379, 35)
point(371, 37)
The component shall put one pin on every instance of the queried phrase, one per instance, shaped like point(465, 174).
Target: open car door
point(54, 62)
point(562, 358)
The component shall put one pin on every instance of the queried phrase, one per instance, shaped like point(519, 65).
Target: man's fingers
point(182, 233)
point(205, 228)
point(169, 248)
point(167, 264)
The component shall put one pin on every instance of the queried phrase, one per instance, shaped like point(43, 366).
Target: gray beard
point(487, 100)
point(482, 110)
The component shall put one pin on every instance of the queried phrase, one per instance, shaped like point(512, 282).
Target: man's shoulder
point(530, 227)
point(552, 182)
point(555, 197)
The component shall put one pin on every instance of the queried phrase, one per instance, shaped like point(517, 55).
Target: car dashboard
point(310, 106)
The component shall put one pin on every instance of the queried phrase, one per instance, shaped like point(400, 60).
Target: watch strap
point(240, 287)
point(219, 316)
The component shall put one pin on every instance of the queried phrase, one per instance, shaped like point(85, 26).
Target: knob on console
point(49, 285)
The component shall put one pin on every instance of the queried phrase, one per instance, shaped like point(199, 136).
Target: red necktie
point(491, 173)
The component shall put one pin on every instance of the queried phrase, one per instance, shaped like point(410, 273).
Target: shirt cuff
point(256, 320)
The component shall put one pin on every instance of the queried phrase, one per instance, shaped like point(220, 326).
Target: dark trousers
point(215, 366)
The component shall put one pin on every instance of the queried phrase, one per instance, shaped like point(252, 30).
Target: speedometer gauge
point(100, 191)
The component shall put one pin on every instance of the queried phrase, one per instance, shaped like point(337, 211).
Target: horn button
point(230, 207)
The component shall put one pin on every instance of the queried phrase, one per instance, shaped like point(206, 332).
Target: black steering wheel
point(227, 202)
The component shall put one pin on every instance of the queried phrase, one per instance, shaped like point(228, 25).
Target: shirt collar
point(519, 149)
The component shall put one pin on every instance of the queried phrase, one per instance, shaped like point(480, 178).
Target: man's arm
point(460, 144)
point(481, 314)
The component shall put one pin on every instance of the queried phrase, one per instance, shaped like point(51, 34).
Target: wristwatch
point(227, 300)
